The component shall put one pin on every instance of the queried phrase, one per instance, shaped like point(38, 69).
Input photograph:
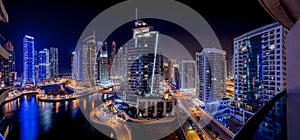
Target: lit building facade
point(230, 68)
point(84, 66)
point(165, 71)
point(188, 69)
point(144, 62)
point(9, 72)
point(260, 69)
point(119, 69)
point(76, 68)
point(111, 58)
point(177, 80)
point(103, 64)
point(171, 63)
point(28, 60)
point(53, 58)
point(211, 75)
point(44, 65)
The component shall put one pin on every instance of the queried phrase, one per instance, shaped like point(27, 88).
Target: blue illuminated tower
point(28, 60)
point(44, 64)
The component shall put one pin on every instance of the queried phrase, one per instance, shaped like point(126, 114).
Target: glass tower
point(188, 74)
point(44, 65)
point(53, 58)
point(28, 60)
point(210, 75)
point(144, 61)
point(259, 75)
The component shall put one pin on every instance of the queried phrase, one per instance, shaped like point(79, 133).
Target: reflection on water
point(28, 119)
point(31, 119)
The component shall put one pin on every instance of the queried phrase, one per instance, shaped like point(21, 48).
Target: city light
point(121, 78)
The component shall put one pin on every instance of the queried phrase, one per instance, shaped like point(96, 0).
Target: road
point(121, 130)
point(199, 126)
point(192, 135)
point(224, 132)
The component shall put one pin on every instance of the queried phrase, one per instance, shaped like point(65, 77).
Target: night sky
point(60, 23)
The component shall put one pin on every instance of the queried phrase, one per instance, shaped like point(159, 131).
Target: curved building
point(85, 62)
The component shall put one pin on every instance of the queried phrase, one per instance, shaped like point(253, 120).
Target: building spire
point(136, 14)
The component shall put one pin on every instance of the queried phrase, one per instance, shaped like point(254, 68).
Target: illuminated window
point(271, 47)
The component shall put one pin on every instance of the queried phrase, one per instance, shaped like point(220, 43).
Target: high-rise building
point(165, 71)
point(188, 74)
point(260, 69)
point(112, 56)
point(9, 72)
point(103, 64)
point(177, 80)
point(168, 70)
point(7, 63)
point(171, 63)
point(44, 65)
point(36, 66)
point(211, 75)
point(230, 68)
point(144, 61)
point(119, 69)
point(53, 58)
point(76, 66)
point(84, 65)
point(28, 60)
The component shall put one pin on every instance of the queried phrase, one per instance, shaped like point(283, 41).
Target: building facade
point(144, 62)
point(119, 69)
point(53, 58)
point(177, 80)
point(103, 66)
point(29, 75)
point(84, 65)
point(171, 63)
point(188, 69)
point(44, 65)
point(9, 72)
point(260, 69)
point(211, 75)
point(230, 68)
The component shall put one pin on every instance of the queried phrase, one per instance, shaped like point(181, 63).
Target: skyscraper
point(177, 76)
point(76, 66)
point(104, 66)
point(28, 60)
point(84, 67)
point(210, 75)
point(119, 69)
point(9, 71)
point(171, 63)
point(44, 65)
point(111, 58)
point(188, 74)
point(53, 58)
point(230, 68)
point(260, 69)
point(144, 61)
point(166, 71)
